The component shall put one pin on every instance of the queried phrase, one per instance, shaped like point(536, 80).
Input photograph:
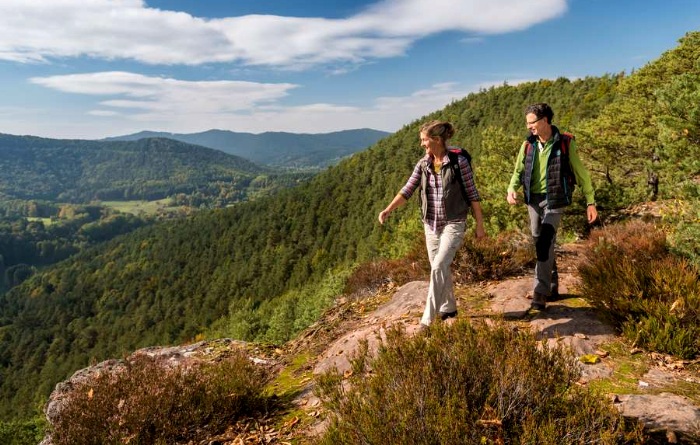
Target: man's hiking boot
point(445, 315)
point(555, 292)
point(539, 301)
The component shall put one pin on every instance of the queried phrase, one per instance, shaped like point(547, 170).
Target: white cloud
point(39, 30)
point(103, 113)
point(167, 96)
point(129, 102)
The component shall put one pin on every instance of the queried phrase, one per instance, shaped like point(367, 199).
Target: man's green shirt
point(539, 170)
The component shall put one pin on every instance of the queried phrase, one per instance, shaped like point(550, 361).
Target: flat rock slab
point(406, 307)
point(662, 411)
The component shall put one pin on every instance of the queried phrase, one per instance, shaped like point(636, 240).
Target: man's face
point(535, 124)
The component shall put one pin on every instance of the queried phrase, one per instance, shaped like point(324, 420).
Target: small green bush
point(149, 402)
point(651, 295)
point(685, 241)
point(467, 385)
point(685, 221)
point(27, 432)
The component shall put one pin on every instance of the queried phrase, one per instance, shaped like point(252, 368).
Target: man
point(548, 167)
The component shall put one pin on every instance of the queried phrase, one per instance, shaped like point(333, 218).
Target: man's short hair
point(540, 110)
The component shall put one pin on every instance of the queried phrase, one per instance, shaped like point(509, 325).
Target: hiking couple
point(548, 167)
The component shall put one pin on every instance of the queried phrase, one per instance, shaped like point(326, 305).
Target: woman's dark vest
point(456, 206)
point(560, 178)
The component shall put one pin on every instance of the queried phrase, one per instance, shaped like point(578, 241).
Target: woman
point(443, 188)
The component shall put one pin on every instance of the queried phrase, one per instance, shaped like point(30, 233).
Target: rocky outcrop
point(173, 356)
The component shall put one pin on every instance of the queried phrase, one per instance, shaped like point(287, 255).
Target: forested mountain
point(278, 149)
point(82, 171)
point(173, 281)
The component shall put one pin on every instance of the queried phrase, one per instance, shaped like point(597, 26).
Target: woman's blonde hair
point(438, 129)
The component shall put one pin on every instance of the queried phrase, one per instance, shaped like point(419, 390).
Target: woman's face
point(431, 145)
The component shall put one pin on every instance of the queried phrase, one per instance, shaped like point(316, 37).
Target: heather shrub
point(465, 384)
point(373, 275)
point(652, 296)
point(634, 239)
point(149, 401)
point(507, 254)
point(370, 276)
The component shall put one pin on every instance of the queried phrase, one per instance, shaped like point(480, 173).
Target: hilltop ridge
point(276, 149)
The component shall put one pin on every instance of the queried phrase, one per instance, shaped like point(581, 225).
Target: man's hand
point(591, 213)
point(512, 198)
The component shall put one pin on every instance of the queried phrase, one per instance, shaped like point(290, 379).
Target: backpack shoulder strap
point(566, 139)
point(453, 153)
point(529, 145)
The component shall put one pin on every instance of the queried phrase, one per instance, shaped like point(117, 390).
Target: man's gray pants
point(544, 224)
point(442, 248)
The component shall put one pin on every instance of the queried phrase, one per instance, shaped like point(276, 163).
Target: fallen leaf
point(489, 422)
point(589, 359)
point(292, 422)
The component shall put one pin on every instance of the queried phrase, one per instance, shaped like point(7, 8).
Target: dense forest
point(26, 245)
point(246, 271)
point(278, 149)
point(80, 171)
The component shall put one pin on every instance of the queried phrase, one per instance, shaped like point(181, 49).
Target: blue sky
point(90, 69)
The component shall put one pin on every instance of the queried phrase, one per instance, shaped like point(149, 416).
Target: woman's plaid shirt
point(435, 217)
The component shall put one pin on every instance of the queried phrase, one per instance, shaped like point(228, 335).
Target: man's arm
point(583, 179)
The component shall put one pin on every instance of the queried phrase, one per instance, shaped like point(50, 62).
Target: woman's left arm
point(473, 195)
point(479, 218)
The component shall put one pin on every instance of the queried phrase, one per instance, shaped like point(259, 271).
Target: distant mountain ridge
point(277, 148)
point(81, 170)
